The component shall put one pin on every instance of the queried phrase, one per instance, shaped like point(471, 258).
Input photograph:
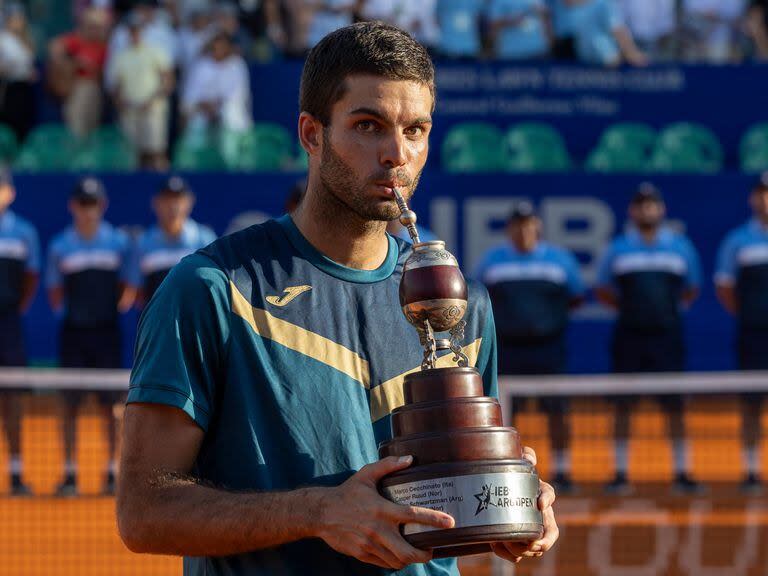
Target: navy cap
point(761, 185)
point(175, 185)
point(647, 192)
point(89, 189)
point(522, 211)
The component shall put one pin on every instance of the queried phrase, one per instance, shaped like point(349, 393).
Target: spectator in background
point(533, 287)
point(712, 29)
point(649, 275)
point(459, 25)
point(19, 271)
point(88, 283)
point(192, 39)
point(217, 96)
point(741, 281)
point(599, 34)
point(519, 29)
point(17, 72)
point(295, 196)
point(757, 27)
point(161, 247)
point(327, 16)
point(75, 71)
point(419, 19)
point(652, 24)
point(157, 31)
point(227, 20)
point(141, 83)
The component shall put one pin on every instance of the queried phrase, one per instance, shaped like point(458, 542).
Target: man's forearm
point(178, 516)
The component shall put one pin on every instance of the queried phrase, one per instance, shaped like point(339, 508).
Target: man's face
point(172, 210)
point(87, 213)
point(647, 213)
point(524, 233)
point(759, 203)
point(221, 49)
point(7, 196)
point(377, 139)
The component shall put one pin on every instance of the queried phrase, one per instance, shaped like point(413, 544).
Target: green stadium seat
point(534, 147)
point(264, 147)
point(8, 144)
point(616, 160)
point(49, 147)
point(106, 155)
point(753, 149)
point(628, 136)
point(687, 147)
point(198, 156)
point(472, 147)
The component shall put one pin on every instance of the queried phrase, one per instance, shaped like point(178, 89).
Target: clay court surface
point(722, 530)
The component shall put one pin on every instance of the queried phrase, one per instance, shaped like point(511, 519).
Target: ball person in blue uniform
point(268, 363)
point(162, 247)
point(533, 287)
point(19, 274)
point(741, 281)
point(88, 283)
point(650, 275)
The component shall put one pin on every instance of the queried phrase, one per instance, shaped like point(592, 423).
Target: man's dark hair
point(366, 48)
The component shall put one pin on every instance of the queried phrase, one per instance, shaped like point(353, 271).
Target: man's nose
point(394, 152)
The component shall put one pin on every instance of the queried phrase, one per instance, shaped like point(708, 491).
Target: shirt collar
point(321, 261)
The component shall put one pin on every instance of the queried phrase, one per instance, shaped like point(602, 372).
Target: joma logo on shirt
point(288, 295)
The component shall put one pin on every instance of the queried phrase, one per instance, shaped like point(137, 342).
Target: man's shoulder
point(249, 247)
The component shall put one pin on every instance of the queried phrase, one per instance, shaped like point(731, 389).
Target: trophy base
point(490, 501)
point(469, 541)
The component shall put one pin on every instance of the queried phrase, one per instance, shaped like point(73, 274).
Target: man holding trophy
point(276, 366)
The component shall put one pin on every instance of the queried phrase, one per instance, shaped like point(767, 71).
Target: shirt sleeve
point(33, 245)
point(604, 268)
point(693, 275)
point(573, 275)
point(486, 357)
point(126, 260)
point(52, 273)
point(181, 340)
point(725, 267)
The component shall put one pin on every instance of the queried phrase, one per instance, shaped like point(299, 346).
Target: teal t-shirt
point(291, 364)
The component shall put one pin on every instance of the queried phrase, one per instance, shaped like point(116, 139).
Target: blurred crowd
point(167, 67)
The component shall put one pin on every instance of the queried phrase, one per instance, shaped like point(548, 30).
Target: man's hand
point(357, 521)
point(516, 551)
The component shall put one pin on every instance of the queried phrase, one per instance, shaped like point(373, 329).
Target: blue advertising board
point(580, 212)
point(579, 101)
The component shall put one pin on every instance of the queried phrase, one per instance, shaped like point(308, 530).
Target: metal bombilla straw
point(407, 216)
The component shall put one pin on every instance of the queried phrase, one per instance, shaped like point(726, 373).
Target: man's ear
point(310, 133)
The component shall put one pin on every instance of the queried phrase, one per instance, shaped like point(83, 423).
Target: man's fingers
point(377, 470)
point(546, 496)
point(508, 552)
point(398, 548)
point(530, 455)
point(417, 515)
point(551, 532)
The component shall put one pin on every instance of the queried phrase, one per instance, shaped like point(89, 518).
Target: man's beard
point(341, 187)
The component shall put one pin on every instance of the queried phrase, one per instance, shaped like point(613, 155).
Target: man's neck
point(649, 234)
point(334, 230)
point(172, 231)
point(87, 232)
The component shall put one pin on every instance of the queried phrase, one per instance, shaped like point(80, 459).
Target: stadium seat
point(687, 147)
point(617, 160)
point(534, 147)
point(472, 147)
point(117, 156)
point(8, 144)
point(48, 147)
point(198, 156)
point(753, 149)
point(264, 147)
point(628, 137)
